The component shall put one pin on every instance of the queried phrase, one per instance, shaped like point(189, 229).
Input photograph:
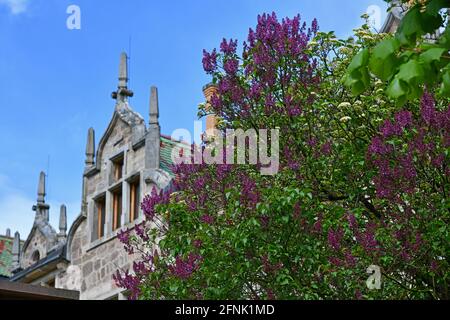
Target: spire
point(8, 233)
point(16, 251)
point(90, 148)
point(123, 71)
point(41, 188)
point(62, 222)
point(41, 208)
point(122, 93)
point(154, 106)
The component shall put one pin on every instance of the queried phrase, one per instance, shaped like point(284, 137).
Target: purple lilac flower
point(335, 238)
point(428, 110)
point(228, 47)
point(209, 61)
point(208, 219)
point(231, 66)
point(184, 268)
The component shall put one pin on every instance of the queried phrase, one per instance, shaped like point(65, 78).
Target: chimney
point(211, 120)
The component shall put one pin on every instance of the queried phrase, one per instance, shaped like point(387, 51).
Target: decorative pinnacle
point(122, 93)
point(41, 188)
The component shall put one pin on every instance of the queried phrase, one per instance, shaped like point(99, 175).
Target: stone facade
point(131, 159)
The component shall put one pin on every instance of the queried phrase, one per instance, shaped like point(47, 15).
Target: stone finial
point(122, 93)
point(41, 188)
point(123, 70)
point(90, 148)
point(8, 233)
point(63, 221)
point(16, 251)
point(154, 106)
point(153, 137)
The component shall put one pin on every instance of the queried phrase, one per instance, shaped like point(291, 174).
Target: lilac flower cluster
point(151, 201)
point(268, 267)
point(268, 47)
point(403, 119)
point(425, 139)
point(207, 219)
point(184, 268)
point(335, 238)
point(129, 282)
point(249, 194)
point(209, 61)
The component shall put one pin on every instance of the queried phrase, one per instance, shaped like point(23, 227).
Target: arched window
point(35, 257)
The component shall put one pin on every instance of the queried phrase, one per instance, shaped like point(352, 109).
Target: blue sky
point(55, 83)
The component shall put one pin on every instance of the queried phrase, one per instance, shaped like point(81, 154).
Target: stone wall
point(95, 261)
point(37, 243)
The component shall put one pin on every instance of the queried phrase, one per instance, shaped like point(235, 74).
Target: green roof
point(6, 258)
point(167, 146)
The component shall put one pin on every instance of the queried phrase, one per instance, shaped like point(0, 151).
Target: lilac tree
point(361, 183)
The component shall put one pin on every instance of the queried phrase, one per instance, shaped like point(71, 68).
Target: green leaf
point(432, 55)
point(445, 87)
point(359, 61)
point(411, 72)
point(435, 6)
point(444, 40)
point(383, 61)
point(410, 27)
point(357, 77)
point(397, 90)
point(416, 23)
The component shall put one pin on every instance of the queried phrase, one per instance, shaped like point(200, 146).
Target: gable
point(119, 133)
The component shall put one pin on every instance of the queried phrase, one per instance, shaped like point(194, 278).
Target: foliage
point(361, 183)
point(412, 58)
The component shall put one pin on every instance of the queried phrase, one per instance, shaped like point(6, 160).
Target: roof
point(21, 291)
point(5, 255)
point(167, 145)
point(6, 258)
point(49, 262)
point(395, 14)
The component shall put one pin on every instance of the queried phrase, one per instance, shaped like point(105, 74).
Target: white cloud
point(16, 214)
point(16, 210)
point(15, 6)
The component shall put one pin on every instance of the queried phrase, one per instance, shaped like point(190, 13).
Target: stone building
point(38, 260)
point(128, 162)
point(395, 14)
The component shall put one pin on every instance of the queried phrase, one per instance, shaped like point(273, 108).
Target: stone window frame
point(94, 214)
point(117, 219)
point(132, 179)
point(111, 234)
point(119, 156)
